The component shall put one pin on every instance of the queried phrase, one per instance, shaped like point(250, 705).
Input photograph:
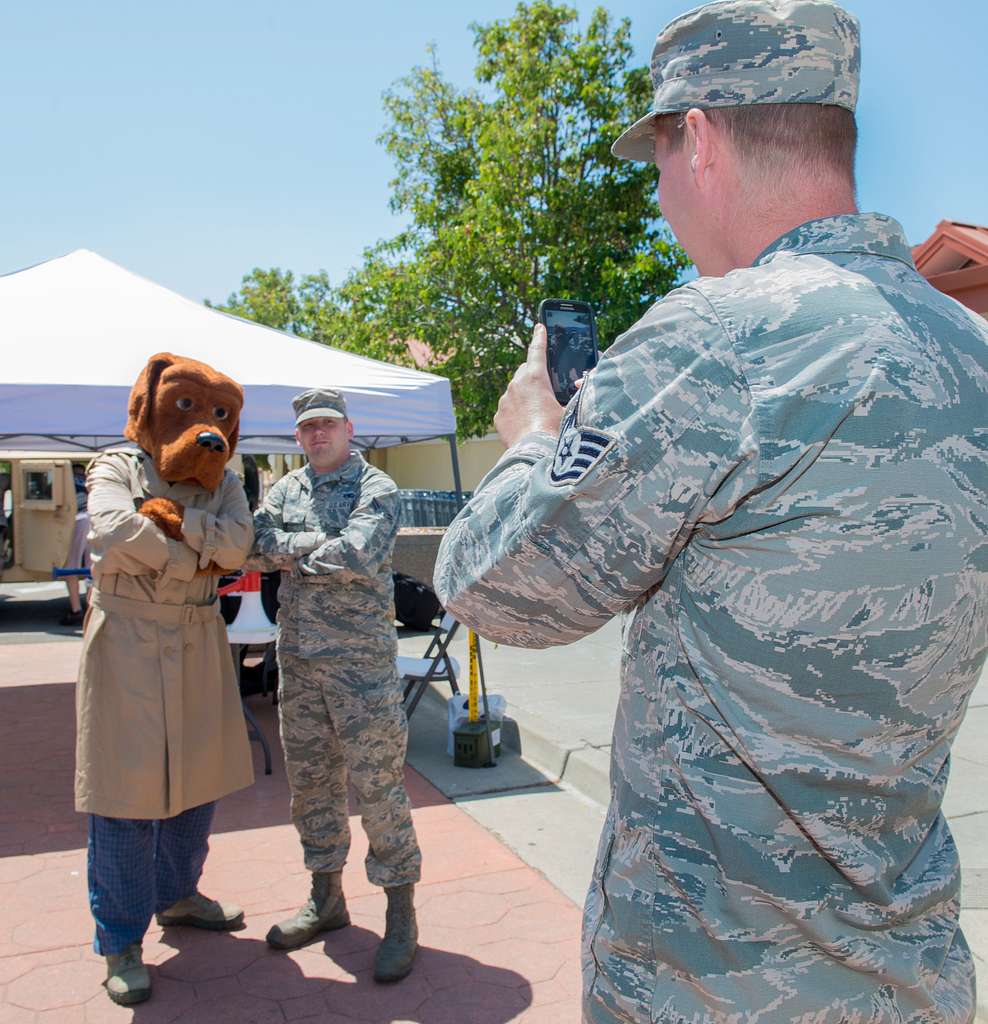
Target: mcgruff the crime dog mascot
point(161, 733)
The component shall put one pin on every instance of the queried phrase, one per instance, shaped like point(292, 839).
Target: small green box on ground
point(470, 746)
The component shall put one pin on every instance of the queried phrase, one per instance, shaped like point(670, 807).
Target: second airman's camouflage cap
point(737, 52)
point(319, 402)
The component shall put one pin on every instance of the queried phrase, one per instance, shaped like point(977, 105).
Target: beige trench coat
point(160, 726)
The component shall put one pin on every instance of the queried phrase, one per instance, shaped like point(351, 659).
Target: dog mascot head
point(186, 416)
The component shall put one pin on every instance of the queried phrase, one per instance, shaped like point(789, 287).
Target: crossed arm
point(163, 537)
point(358, 552)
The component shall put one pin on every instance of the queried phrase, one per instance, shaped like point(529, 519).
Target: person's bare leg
point(75, 605)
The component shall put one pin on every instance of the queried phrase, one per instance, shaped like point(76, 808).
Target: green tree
point(274, 297)
point(311, 308)
point(511, 196)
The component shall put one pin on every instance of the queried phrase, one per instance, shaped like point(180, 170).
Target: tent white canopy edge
point(77, 330)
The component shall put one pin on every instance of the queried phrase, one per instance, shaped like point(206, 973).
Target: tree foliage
point(511, 195)
point(273, 297)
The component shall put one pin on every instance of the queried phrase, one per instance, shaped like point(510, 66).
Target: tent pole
point(455, 459)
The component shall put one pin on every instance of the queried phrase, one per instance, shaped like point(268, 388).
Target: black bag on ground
point(416, 605)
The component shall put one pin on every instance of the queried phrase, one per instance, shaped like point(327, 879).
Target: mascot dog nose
point(207, 439)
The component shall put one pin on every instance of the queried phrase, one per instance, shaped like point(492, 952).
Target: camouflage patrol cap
point(319, 402)
point(737, 52)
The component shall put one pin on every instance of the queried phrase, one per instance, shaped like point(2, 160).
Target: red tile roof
point(952, 246)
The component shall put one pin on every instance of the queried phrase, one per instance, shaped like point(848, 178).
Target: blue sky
point(193, 141)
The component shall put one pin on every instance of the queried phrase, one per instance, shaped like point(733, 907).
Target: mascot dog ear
point(141, 401)
point(233, 437)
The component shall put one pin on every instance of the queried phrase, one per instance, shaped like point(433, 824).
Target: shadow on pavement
point(33, 620)
point(334, 978)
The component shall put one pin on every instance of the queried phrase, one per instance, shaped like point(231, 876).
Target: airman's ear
point(141, 402)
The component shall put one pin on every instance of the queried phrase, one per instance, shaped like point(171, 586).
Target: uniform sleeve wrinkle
point(363, 545)
point(521, 457)
point(548, 554)
point(627, 477)
point(274, 547)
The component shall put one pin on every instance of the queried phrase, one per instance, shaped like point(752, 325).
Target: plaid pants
point(138, 868)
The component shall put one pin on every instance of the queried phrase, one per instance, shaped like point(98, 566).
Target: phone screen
point(572, 351)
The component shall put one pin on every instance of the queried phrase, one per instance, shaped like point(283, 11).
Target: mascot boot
point(397, 950)
point(200, 911)
point(325, 911)
point(127, 979)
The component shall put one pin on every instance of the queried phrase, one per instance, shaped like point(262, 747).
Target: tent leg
point(455, 459)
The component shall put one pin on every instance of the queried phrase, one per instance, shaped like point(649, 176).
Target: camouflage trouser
point(333, 728)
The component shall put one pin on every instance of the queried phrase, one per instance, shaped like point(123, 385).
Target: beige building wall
point(426, 465)
point(423, 466)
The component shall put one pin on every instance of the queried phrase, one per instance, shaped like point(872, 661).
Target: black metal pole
point(455, 459)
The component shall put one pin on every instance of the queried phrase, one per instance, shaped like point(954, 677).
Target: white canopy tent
point(76, 331)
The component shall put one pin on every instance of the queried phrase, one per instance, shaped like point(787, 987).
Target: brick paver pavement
point(499, 943)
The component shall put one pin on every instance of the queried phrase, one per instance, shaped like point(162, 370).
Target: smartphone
point(572, 348)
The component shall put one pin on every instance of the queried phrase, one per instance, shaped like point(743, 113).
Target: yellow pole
point(474, 678)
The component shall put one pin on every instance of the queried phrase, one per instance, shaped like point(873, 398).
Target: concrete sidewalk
point(563, 701)
point(499, 943)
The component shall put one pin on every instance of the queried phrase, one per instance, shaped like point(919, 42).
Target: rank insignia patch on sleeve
point(578, 451)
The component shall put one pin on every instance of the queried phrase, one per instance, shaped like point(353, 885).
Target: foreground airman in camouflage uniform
point(331, 532)
point(779, 477)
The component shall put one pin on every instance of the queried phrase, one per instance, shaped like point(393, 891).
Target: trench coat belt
point(170, 614)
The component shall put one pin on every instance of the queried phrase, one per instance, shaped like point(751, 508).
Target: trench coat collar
point(349, 472)
point(871, 234)
point(152, 484)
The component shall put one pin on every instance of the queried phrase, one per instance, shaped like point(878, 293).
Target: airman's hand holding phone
point(571, 344)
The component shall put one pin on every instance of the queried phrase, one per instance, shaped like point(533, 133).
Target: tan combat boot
point(397, 950)
point(325, 911)
point(127, 979)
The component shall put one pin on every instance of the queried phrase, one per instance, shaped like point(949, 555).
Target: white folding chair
point(436, 665)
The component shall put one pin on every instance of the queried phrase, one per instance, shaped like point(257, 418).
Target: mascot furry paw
point(161, 733)
point(166, 514)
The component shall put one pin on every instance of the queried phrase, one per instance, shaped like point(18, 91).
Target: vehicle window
point(39, 484)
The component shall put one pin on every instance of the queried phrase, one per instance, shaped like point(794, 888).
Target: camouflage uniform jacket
point(780, 477)
point(332, 535)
